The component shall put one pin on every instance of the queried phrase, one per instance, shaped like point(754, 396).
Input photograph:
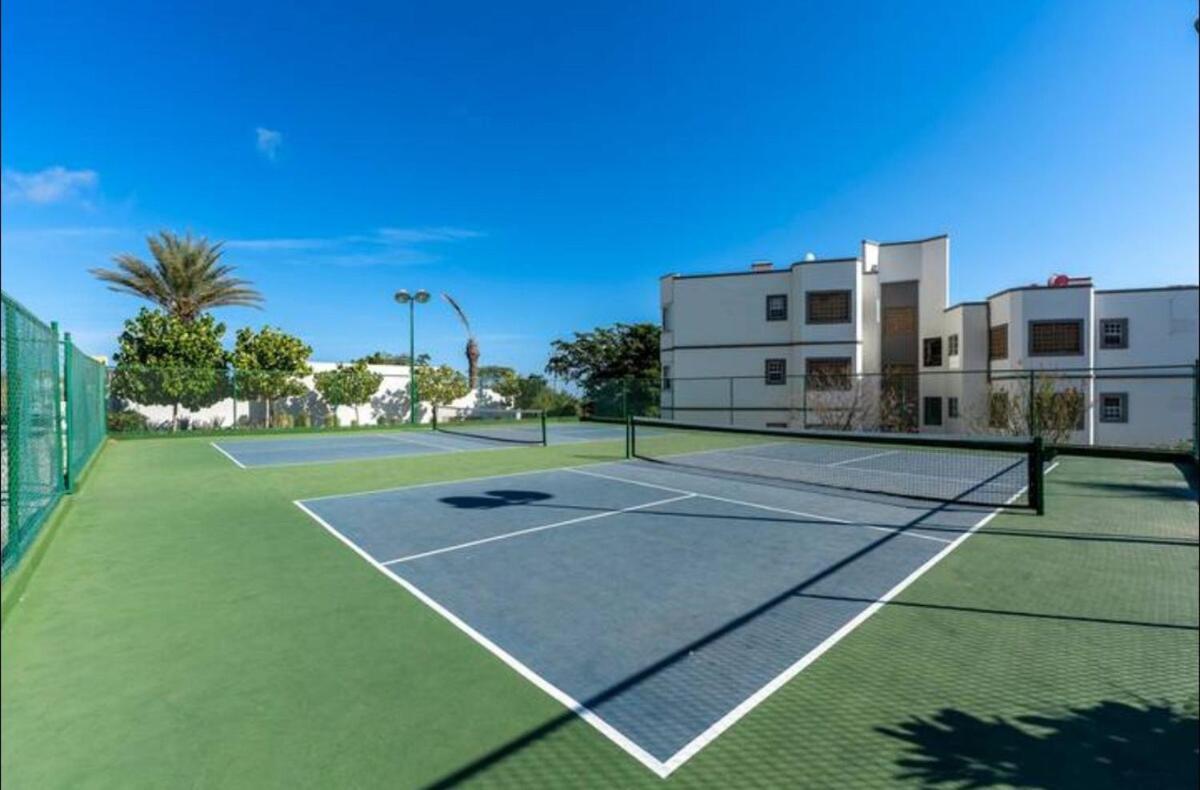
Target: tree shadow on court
point(495, 499)
point(1110, 744)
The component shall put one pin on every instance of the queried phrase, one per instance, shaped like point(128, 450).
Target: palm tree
point(186, 278)
point(472, 345)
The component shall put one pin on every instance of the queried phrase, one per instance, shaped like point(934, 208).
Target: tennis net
point(518, 426)
point(1000, 472)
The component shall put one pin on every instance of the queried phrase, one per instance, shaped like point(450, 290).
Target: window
point(776, 371)
point(899, 321)
point(952, 408)
point(933, 411)
point(998, 342)
point(777, 307)
point(1053, 338)
point(1114, 407)
point(952, 346)
point(666, 318)
point(828, 374)
point(1114, 333)
point(666, 373)
point(933, 352)
point(828, 307)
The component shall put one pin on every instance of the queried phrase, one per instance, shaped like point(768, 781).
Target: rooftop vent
point(761, 266)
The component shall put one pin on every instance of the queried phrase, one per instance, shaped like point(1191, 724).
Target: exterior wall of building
point(718, 343)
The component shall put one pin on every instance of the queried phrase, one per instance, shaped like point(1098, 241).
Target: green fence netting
point(54, 422)
point(32, 428)
point(85, 380)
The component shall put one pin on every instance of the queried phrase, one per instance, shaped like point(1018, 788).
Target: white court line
point(865, 457)
point(771, 508)
point(569, 702)
point(221, 450)
point(443, 446)
point(529, 530)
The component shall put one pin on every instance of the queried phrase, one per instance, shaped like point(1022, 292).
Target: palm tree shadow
point(1111, 744)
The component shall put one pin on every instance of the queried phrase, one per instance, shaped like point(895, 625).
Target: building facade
point(872, 343)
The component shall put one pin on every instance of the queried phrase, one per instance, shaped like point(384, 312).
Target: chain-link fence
point(53, 424)
point(85, 380)
point(1144, 407)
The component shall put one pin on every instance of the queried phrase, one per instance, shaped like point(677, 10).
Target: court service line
point(569, 702)
point(865, 457)
point(221, 450)
point(759, 506)
point(530, 530)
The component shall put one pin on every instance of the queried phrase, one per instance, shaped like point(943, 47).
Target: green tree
point(163, 360)
point(348, 385)
point(186, 278)
point(269, 364)
point(504, 382)
point(388, 358)
point(440, 385)
point(607, 353)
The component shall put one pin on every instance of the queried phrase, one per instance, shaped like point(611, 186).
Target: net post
point(542, 416)
point(68, 358)
point(1037, 489)
point(628, 437)
point(632, 438)
point(433, 417)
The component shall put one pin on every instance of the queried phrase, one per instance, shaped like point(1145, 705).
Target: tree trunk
point(356, 420)
point(267, 408)
point(174, 417)
point(473, 364)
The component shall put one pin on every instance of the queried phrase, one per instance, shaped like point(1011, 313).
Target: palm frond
point(462, 316)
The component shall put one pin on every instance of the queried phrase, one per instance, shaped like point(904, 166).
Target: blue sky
point(545, 163)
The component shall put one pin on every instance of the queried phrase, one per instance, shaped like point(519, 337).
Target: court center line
point(530, 530)
point(759, 506)
point(865, 457)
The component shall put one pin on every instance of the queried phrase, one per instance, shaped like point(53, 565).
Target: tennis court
point(658, 603)
point(723, 608)
point(449, 438)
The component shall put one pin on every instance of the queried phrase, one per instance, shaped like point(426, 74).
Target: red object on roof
point(1059, 280)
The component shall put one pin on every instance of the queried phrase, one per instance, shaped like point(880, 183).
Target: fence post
point(625, 397)
point(68, 354)
point(15, 420)
point(1033, 417)
point(233, 381)
point(59, 394)
point(731, 419)
point(1196, 410)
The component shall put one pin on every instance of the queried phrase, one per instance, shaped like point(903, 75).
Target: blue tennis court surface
point(660, 605)
point(328, 448)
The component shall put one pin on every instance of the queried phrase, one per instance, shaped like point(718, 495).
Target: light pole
point(404, 297)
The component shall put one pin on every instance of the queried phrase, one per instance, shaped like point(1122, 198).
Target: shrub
point(126, 421)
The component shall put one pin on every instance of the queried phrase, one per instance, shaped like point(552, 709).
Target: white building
point(872, 342)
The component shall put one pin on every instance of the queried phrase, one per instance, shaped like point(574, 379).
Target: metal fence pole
point(59, 394)
point(68, 354)
point(731, 419)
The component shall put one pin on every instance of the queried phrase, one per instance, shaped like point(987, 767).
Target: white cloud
point(384, 247)
point(268, 142)
point(421, 235)
point(52, 185)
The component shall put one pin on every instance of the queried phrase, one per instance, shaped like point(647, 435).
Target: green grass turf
point(189, 626)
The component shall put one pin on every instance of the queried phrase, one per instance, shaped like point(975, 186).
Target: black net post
point(628, 437)
point(542, 417)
